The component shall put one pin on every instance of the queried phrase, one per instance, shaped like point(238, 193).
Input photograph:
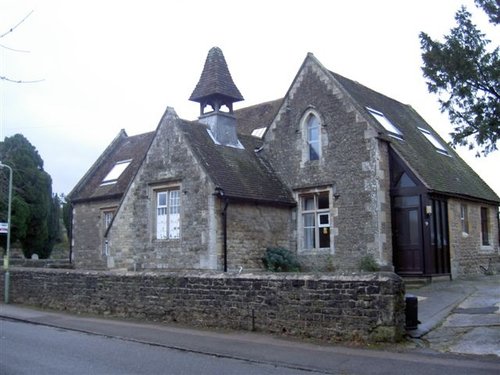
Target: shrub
point(368, 264)
point(279, 259)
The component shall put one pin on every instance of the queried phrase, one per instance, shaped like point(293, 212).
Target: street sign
point(4, 227)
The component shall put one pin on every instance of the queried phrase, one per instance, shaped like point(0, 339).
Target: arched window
point(312, 127)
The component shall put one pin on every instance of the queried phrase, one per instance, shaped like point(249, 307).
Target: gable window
point(315, 220)
point(115, 173)
point(168, 214)
point(386, 124)
point(313, 137)
point(485, 237)
point(434, 141)
point(464, 218)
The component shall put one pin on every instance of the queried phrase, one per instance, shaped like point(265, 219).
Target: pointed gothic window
point(313, 137)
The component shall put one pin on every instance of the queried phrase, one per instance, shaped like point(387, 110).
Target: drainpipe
point(224, 226)
point(220, 193)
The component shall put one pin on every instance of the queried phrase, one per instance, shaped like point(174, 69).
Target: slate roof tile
point(215, 79)
point(449, 175)
point(241, 173)
point(257, 116)
point(132, 148)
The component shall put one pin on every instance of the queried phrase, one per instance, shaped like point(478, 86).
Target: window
point(434, 141)
point(168, 214)
point(464, 218)
point(386, 124)
point(108, 217)
point(316, 220)
point(485, 238)
point(313, 137)
point(259, 132)
point(115, 172)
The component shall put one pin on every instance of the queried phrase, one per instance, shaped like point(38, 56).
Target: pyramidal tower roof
point(215, 79)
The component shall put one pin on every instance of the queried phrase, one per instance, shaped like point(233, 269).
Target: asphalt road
point(36, 349)
point(40, 342)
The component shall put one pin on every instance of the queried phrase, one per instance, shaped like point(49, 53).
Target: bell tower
point(216, 93)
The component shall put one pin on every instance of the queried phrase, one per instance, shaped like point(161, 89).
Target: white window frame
point(115, 172)
point(107, 218)
point(434, 141)
point(386, 123)
point(107, 215)
point(167, 213)
point(317, 226)
point(464, 218)
point(312, 122)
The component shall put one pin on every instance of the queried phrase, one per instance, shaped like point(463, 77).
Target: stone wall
point(353, 166)
point(466, 251)
point(132, 237)
point(88, 235)
point(251, 228)
point(367, 307)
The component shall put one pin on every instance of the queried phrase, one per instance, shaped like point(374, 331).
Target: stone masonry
point(354, 167)
point(364, 308)
point(466, 260)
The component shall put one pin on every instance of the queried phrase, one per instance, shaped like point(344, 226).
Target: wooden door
point(407, 235)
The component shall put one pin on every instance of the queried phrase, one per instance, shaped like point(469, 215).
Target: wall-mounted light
point(428, 209)
point(336, 196)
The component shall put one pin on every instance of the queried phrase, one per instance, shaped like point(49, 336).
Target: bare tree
point(3, 35)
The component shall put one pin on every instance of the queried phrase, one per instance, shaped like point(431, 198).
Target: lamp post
point(7, 254)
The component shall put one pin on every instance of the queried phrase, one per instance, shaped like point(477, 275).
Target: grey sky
point(111, 65)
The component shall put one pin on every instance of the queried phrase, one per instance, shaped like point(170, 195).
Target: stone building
point(334, 171)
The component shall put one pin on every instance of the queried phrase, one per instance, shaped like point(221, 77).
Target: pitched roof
point(447, 174)
point(257, 116)
point(241, 173)
point(215, 79)
point(124, 148)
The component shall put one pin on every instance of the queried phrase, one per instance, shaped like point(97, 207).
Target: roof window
point(430, 137)
point(386, 124)
point(115, 173)
point(259, 132)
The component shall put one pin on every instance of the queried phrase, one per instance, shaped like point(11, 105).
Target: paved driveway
point(460, 316)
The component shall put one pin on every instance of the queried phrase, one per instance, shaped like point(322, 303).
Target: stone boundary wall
point(40, 263)
point(364, 307)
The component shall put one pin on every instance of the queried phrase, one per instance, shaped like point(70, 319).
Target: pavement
point(457, 317)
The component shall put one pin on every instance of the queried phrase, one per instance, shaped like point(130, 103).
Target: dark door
point(407, 232)
point(438, 258)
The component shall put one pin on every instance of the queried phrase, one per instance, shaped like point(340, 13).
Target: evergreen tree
point(465, 72)
point(32, 201)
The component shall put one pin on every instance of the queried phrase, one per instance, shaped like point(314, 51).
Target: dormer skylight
point(259, 132)
point(433, 140)
point(386, 124)
point(115, 172)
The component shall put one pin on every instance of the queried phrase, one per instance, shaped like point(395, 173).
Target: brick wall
point(326, 307)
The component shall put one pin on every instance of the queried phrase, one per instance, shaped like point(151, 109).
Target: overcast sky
point(111, 65)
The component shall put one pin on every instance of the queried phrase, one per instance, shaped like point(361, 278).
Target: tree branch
point(3, 78)
point(13, 28)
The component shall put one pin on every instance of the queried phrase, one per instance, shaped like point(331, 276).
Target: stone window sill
point(486, 249)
